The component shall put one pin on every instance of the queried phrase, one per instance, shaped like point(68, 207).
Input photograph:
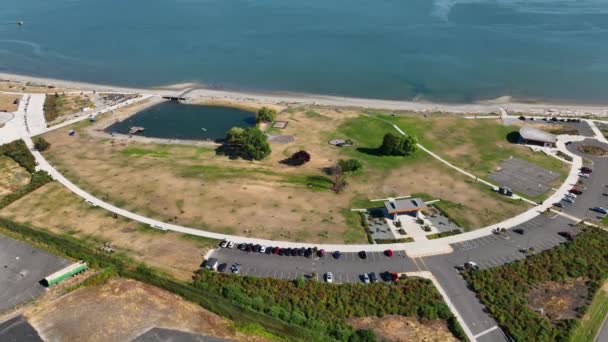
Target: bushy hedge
point(20, 153)
point(324, 308)
point(504, 290)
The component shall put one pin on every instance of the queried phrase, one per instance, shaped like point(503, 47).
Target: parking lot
point(21, 269)
point(347, 269)
point(523, 177)
point(18, 329)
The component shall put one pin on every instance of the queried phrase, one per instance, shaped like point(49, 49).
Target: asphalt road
point(18, 329)
point(594, 187)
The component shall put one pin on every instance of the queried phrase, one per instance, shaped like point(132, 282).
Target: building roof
point(529, 133)
point(404, 205)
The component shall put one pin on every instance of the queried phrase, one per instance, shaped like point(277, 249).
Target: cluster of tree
point(266, 114)
point(249, 143)
point(350, 165)
point(504, 290)
point(398, 145)
point(324, 307)
point(41, 144)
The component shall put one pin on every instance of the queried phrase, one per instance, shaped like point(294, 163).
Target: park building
point(533, 136)
point(405, 206)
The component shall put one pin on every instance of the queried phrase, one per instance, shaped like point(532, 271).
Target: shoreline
point(199, 94)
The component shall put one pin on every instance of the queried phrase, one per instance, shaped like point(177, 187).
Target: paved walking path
point(598, 134)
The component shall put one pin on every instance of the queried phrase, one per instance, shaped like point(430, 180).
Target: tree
point(338, 179)
point(234, 136)
point(249, 143)
point(350, 165)
point(398, 145)
point(266, 114)
point(300, 158)
point(41, 144)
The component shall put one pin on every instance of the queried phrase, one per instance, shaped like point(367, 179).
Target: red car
point(388, 252)
point(395, 277)
point(585, 169)
point(575, 191)
point(275, 250)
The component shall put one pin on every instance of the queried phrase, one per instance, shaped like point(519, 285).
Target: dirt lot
point(12, 176)
point(55, 208)
point(192, 186)
point(593, 150)
point(57, 105)
point(404, 329)
point(7, 102)
point(559, 300)
point(121, 310)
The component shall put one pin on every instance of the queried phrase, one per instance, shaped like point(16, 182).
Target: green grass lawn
point(593, 319)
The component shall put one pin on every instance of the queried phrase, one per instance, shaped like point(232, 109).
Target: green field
point(591, 323)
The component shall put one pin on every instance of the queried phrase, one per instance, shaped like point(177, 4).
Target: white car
point(230, 244)
point(471, 265)
point(568, 199)
point(223, 244)
point(571, 195)
point(262, 249)
point(365, 278)
point(329, 277)
point(583, 175)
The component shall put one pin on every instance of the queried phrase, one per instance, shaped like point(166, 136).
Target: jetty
point(135, 130)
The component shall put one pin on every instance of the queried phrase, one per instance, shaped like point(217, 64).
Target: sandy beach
point(200, 94)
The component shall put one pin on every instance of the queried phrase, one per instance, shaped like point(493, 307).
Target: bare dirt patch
point(559, 301)
point(12, 176)
point(55, 208)
point(401, 329)
point(121, 310)
point(8, 102)
point(57, 105)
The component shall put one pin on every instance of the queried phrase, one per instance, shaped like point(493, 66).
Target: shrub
point(300, 158)
point(41, 144)
point(266, 114)
point(350, 165)
point(398, 145)
point(20, 153)
point(249, 143)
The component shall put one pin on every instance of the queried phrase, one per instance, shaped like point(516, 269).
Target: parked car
point(600, 210)
point(235, 268)
point(242, 246)
point(221, 267)
point(262, 249)
point(321, 253)
point(567, 235)
point(223, 244)
point(394, 277)
point(276, 250)
point(372, 277)
point(519, 231)
point(256, 248)
point(329, 277)
point(212, 264)
point(337, 255)
point(230, 244)
point(308, 252)
point(293, 252)
point(571, 195)
point(249, 247)
point(568, 199)
point(365, 278)
point(471, 265)
point(269, 250)
point(585, 169)
point(583, 175)
point(527, 250)
point(575, 191)
point(388, 253)
point(301, 251)
point(363, 255)
point(558, 205)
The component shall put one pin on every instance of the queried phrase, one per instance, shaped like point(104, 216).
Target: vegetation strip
point(505, 290)
point(302, 310)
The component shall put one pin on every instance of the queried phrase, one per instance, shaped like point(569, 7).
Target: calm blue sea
point(446, 50)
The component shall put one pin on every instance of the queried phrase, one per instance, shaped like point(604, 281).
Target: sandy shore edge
point(197, 94)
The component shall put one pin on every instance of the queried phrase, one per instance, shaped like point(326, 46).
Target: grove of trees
point(249, 143)
point(324, 307)
point(266, 114)
point(398, 145)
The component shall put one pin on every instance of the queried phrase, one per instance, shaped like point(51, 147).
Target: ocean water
point(444, 50)
point(172, 120)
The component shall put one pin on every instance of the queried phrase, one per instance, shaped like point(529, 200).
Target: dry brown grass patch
point(399, 328)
